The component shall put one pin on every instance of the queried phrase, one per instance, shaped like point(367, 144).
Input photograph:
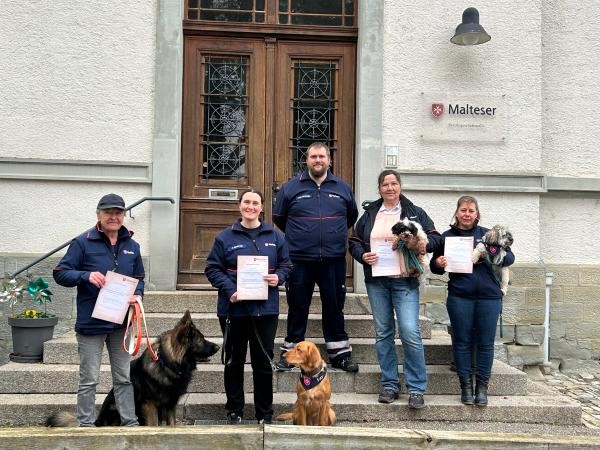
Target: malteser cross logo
point(437, 109)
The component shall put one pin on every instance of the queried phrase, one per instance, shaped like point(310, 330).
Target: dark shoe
point(416, 401)
point(388, 396)
point(265, 420)
point(347, 365)
point(466, 391)
point(282, 365)
point(234, 418)
point(481, 388)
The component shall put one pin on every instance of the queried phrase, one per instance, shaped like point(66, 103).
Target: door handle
point(275, 189)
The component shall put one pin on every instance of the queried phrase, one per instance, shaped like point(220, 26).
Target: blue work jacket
point(92, 252)
point(221, 268)
point(315, 219)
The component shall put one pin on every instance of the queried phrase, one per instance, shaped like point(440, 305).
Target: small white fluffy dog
point(415, 240)
point(493, 246)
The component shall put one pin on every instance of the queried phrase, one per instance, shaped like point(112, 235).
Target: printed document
point(250, 282)
point(458, 251)
point(388, 260)
point(113, 300)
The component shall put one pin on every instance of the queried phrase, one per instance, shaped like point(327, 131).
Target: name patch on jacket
point(309, 382)
point(236, 247)
point(128, 252)
point(303, 196)
point(270, 244)
point(334, 196)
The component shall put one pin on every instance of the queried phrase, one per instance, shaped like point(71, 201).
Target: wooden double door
point(250, 109)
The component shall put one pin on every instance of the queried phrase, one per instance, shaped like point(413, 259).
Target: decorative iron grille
point(224, 138)
point(314, 106)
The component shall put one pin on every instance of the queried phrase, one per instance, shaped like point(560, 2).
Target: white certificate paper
point(388, 260)
point(458, 251)
point(250, 282)
point(113, 300)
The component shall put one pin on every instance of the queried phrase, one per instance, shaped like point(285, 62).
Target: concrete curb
point(277, 437)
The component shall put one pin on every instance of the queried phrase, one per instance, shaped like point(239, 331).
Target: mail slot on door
point(223, 194)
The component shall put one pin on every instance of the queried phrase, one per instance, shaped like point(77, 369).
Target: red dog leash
point(134, 323)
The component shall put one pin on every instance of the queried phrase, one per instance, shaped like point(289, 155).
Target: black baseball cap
point(111, 201)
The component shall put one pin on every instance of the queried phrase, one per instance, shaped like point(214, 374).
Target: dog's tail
point(62, 419)
point(286, 416)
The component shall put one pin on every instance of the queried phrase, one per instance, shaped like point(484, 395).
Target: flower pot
point(29, 336)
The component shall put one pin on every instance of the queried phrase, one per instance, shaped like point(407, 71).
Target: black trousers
point(330, 275)
point(241, 332)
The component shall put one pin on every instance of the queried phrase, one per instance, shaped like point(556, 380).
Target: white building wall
point(571, 85)
point(76, 85)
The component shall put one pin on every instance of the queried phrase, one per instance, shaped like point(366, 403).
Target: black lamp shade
point(469, 32)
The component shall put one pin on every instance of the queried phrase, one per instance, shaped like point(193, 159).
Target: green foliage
point(12, 291)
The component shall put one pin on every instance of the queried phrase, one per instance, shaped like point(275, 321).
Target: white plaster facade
point(91, 103)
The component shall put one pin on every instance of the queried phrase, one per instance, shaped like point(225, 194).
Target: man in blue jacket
point(315, 210)
point(108, 246)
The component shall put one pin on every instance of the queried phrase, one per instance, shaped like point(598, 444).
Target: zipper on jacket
point(320, 224)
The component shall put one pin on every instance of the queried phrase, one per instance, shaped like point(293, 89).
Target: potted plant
point(30, 328)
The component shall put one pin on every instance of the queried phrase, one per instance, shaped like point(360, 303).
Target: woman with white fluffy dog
point(397, 293)
point(474, 304)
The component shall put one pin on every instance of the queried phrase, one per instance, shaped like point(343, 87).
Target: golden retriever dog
point(313, 389)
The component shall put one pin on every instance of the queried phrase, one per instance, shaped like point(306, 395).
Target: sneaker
point(388, 396)
point(347, 365)
point(416, 401)
point(282, 365)
point(234, 418)
point(265, 420)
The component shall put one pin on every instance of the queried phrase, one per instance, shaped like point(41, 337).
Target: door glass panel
point(226, 10)
point(314, 107)
point(317, 12)
point(224, 139)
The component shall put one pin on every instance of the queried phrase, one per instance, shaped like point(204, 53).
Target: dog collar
point(310, 381)
point(492, 249)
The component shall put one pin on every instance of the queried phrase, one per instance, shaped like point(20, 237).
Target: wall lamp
point(469, 32)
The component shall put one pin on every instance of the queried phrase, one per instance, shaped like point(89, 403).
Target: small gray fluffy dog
point(493, 247)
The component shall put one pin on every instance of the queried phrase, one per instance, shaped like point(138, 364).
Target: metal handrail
point(52, 252)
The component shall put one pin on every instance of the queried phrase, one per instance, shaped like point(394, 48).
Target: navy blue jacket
point(360, 241)
point(221, 268)
point(481, 284)
point(92, 252)
point(315, 219)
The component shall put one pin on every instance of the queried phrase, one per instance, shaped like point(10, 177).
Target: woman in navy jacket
point(105, 247)
point(474, 304)
point(253, 321)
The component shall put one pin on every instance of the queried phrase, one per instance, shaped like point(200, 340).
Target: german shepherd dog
point(157, 385)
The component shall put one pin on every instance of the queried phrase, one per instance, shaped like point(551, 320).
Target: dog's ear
point(397, 228)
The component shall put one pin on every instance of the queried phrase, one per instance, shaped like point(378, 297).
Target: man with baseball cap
point(107, 246)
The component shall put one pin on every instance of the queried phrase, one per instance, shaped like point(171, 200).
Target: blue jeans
point(90, 357)
point(473, 324)
point(401, 295)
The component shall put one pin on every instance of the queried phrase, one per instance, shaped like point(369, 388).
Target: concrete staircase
point(30, 392)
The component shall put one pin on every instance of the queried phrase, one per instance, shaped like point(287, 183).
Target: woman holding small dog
point(248, 321)
point(474, 304)
point(397, 293)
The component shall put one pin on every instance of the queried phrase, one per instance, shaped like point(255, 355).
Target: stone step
point(29, 409)
point(438, 349)
point(206, 302)
point(357, 325)
point(63, 378)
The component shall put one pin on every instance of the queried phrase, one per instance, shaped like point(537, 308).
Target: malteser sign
point(463, 117)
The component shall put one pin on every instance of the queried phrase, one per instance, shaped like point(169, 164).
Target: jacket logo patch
point(235, 247)
point(303, 196)
point(128, 252)
point(270, 244)
point(334, 196)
